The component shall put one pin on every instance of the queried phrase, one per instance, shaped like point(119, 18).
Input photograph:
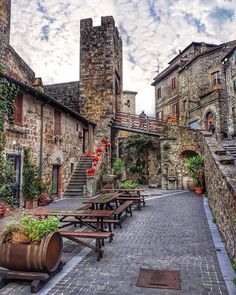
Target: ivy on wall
point(8, 93)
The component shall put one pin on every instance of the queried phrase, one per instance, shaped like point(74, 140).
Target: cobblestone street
point(171, 232)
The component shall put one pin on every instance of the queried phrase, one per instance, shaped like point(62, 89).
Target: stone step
point(74, 191)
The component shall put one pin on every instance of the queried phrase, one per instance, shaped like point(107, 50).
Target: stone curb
point(223, 258)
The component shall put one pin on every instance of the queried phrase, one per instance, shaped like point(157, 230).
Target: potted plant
point(117, 167)
point(195, 166)
point(31, 182)
point(129, 184)
point(35, 242)
point(90, 171)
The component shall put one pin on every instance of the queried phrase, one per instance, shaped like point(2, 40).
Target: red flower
point(90, 171)
point(104, 141)
point(108, 145)
point(95, 159)
point(99, 149)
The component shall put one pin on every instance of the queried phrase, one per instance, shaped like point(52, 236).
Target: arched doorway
point(210, 120)
point(187, 181)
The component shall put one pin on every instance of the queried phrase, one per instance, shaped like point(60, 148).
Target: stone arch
point(188, 154)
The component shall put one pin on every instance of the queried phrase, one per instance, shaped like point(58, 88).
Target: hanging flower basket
point(108, 145)
point(99, 150)
point(90, 171)
point(104, 141)
point(95, 159)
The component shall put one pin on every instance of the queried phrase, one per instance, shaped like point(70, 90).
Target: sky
point(46, 34)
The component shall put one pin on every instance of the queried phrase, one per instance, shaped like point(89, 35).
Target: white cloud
point(151, 30)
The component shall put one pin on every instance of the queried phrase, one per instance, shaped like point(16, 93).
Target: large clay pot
point(198, 190)
point(31, 204)
point(44, 257)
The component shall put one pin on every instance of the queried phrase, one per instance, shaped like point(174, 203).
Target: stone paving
point(171, 232)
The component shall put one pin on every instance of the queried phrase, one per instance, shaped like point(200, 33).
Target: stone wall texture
point(66, 93)
point(63, 152)
point(5, 20)
point(100, 71)
point(195, 94)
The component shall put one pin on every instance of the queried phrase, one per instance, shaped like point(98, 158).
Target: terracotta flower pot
point(31, 204)
point(198, 190)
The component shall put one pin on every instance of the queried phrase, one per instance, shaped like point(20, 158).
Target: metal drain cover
point(159, 278)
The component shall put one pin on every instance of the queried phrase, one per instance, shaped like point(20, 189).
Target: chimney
point(38, 84)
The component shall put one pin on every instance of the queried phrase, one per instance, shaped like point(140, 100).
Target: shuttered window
point(173, 83)
point(57, 123)
point(18, 118)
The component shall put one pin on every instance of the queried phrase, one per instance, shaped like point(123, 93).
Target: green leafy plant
point(234, 266)
point(129, 184)
point(117, 166)
point(234, 281)
point(195, 166)
point(7, 179)
point(31, 178)
point(35, 229)
point(213, 220)
point(166, 146)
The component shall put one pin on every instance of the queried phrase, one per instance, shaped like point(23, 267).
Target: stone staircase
point(230, 147)
point(78, 179)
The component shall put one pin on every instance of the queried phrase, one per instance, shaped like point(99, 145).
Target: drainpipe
point(41, 134)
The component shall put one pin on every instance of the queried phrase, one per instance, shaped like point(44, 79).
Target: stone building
point(53, 132)
point(229, 71)
point(192, 88)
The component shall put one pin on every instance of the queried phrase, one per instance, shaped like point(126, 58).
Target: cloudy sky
point(46, 34)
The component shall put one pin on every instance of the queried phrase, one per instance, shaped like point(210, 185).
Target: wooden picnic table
point(121, 191)
point(78, 215)
point(103, 200)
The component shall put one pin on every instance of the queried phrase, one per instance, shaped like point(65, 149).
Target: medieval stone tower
point(5, 20)
point(100, 71)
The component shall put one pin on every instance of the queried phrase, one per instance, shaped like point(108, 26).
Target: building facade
point(192, 89)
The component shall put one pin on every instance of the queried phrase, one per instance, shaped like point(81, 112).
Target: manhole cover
point(159, 278)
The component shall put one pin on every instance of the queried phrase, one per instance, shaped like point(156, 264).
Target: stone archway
point(187, 182)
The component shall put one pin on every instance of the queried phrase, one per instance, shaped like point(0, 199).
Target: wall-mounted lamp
point(127, 103)
point(17, 147)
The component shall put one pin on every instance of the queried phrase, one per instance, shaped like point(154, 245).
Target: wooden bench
point(125, 207)
point(109, 222)
point(98, 235)
point(137, 200)
point(85, 207)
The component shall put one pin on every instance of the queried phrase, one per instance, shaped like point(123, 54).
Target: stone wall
point(100, 72)
point(5, 20)
point(220, 173)
point(63, 152)
point(230, 74)
point(66, 93)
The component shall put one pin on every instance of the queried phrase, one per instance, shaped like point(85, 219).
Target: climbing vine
point(8, 93)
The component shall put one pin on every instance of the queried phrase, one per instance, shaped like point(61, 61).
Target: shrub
point(30, 229)
point(195, 166)
point(117, 166)
point(129, 184)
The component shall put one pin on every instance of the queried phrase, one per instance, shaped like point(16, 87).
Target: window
point(160, 115)
point(173, 83)
point(57, 123)
point(234, 86)
point(215, 78)
point(235, 56)
point(159, 92)
point(77, 127)
point(185, 105)
point(18, 118)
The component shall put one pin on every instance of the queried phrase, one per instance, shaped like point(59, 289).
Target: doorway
point(85, 140)
point(16, 161)
point(55, 180)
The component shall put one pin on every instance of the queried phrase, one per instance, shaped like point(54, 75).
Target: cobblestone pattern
point(171, 232)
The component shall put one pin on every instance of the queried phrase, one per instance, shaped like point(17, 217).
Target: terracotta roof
point(47, 99)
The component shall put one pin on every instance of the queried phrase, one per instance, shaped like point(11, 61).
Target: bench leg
point(130, 211)
point(98, 249)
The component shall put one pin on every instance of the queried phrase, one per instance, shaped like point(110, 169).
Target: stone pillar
point(5, 20)
point(100, 73)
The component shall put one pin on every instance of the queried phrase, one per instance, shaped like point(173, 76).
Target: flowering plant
point(44, 199)
point(95, 159)
point(5, 208)
point(104, 141)
point(90, 171)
